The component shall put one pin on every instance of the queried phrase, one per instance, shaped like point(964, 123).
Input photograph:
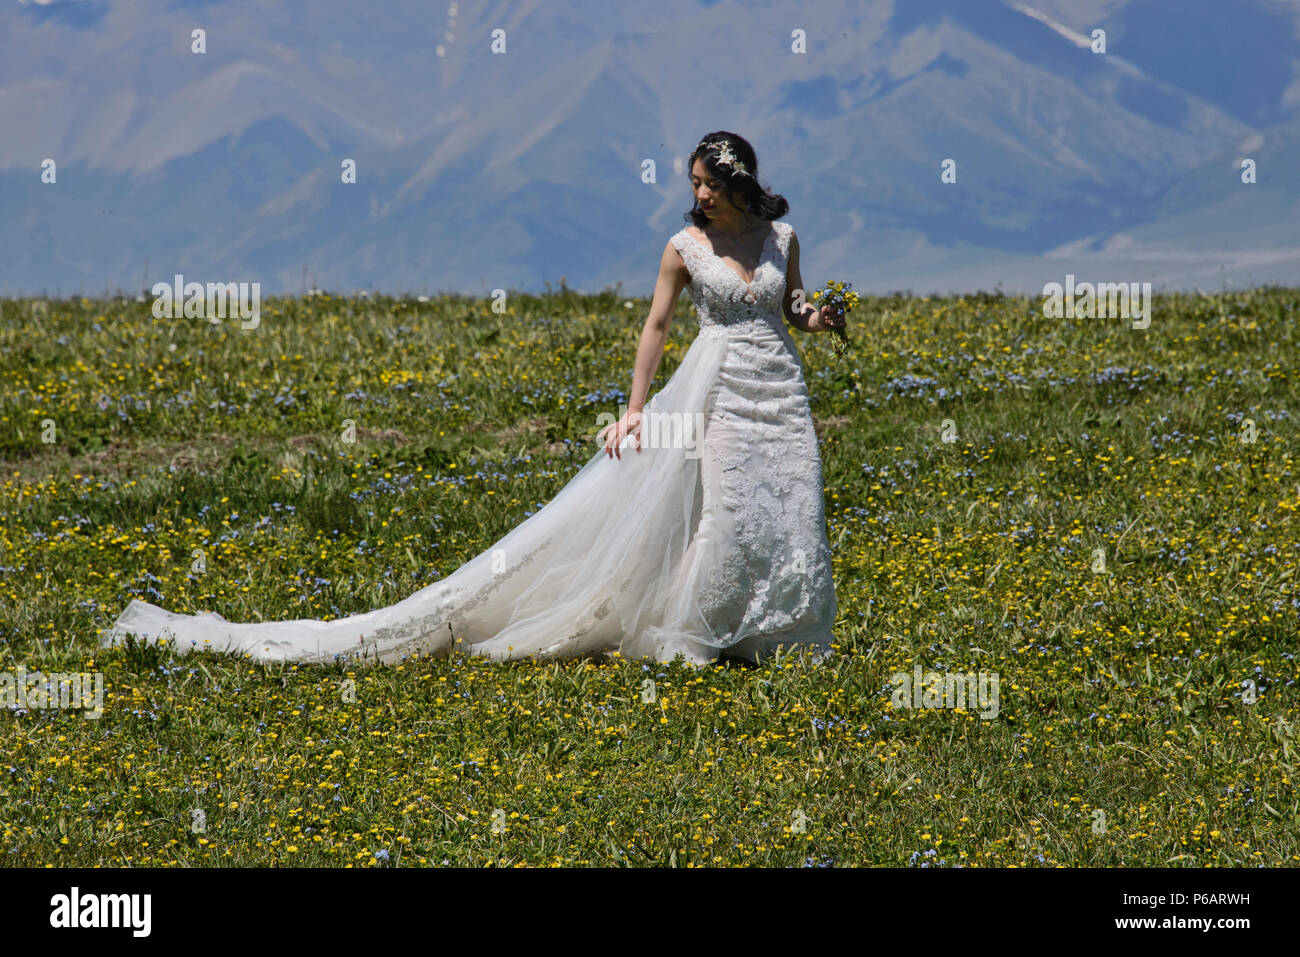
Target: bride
point(697, 529)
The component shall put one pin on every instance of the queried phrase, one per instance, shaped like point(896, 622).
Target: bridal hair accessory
point(726, 157)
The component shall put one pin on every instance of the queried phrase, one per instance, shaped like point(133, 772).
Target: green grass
point(1120, 689)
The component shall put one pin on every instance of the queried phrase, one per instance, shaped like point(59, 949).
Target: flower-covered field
point(1104, 518)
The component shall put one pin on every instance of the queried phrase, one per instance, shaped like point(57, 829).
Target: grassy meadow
point(1106, 518)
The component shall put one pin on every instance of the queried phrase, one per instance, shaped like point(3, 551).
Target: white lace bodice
point(725, 301)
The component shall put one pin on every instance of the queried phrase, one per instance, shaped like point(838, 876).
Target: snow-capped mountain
point(503, 144)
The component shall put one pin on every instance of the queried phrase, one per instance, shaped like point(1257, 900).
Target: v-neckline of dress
point(762, 252)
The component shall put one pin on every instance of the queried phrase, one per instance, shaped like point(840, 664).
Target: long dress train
point(712, 538)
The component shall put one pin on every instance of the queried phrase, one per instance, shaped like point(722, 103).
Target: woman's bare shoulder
point(674, 256)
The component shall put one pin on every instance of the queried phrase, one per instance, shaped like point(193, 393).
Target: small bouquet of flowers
point(838, 295)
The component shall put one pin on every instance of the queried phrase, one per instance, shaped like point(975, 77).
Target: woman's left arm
point(809, 318)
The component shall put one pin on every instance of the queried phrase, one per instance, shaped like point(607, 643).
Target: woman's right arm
point(673, 277)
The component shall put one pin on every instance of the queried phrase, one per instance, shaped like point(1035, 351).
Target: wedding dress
point(702, 544)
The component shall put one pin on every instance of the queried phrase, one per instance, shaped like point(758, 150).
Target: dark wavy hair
point(756, 198)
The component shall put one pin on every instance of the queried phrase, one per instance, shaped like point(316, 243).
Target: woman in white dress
point(707, 538)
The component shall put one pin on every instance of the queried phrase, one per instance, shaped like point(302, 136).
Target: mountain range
point(503, 144)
